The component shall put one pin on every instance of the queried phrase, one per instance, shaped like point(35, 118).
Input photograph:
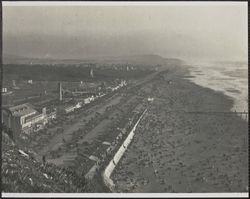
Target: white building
point(23, 118)
point(78, 105)
point(89, 99)
point(150, 99)
point(69, 109)
point(4, 90)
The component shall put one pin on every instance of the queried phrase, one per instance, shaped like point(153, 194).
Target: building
point(89, 99)
point(150, 99)
point(78, 105)
point(14, 86)
point(23, 118)
point(120, 85)
point(49, 111)
point(51, 115)
point(68, 108)
point(82, 93)
point(4, 90)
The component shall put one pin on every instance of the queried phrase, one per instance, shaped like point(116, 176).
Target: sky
point(209, 32)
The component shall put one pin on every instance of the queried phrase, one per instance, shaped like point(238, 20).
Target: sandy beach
point(175, 150)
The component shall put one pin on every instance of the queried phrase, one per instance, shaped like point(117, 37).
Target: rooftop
point(22, 109)
point(33, 116)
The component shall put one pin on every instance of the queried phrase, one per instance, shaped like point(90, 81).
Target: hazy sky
point(188, 32)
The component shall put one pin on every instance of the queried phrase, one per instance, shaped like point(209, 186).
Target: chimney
point(60, 91)
point(91, 73)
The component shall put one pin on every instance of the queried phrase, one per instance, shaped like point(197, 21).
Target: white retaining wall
point(111, 166)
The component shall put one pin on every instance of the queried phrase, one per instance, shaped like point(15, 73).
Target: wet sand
point(174, 151)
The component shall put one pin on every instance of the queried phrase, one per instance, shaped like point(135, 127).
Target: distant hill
point(148, 59)
point(133, 59)
point(15, 59)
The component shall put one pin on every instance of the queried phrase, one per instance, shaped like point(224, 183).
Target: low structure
point(23, 118)
point(150, 99)
point(120, 85)
point(68, 108)
point(89, 99)
point(4, 90)
point(50, 112)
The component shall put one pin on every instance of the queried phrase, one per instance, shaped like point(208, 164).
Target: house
point(4, 90)
point(150, 99)
point(69, 108)
point(89, 99)
point(23, 118)
point(78, 105)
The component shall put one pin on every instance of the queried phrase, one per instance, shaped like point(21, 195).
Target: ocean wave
point(226, 77)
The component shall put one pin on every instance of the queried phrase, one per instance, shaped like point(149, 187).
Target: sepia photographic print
point(124, 99)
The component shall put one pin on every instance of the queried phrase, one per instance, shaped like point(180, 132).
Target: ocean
point(231, 78)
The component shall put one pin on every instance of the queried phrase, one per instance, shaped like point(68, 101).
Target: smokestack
point(60, 91)
point(91, 73)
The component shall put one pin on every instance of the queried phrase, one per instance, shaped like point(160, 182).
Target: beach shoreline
point(165, 155)
point(231, 80)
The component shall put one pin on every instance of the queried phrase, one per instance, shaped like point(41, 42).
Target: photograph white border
point(124, 3)
point(125, 195)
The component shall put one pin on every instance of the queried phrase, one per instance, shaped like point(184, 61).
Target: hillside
point(22, 173)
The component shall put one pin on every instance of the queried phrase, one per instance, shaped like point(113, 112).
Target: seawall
point(114, 161)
